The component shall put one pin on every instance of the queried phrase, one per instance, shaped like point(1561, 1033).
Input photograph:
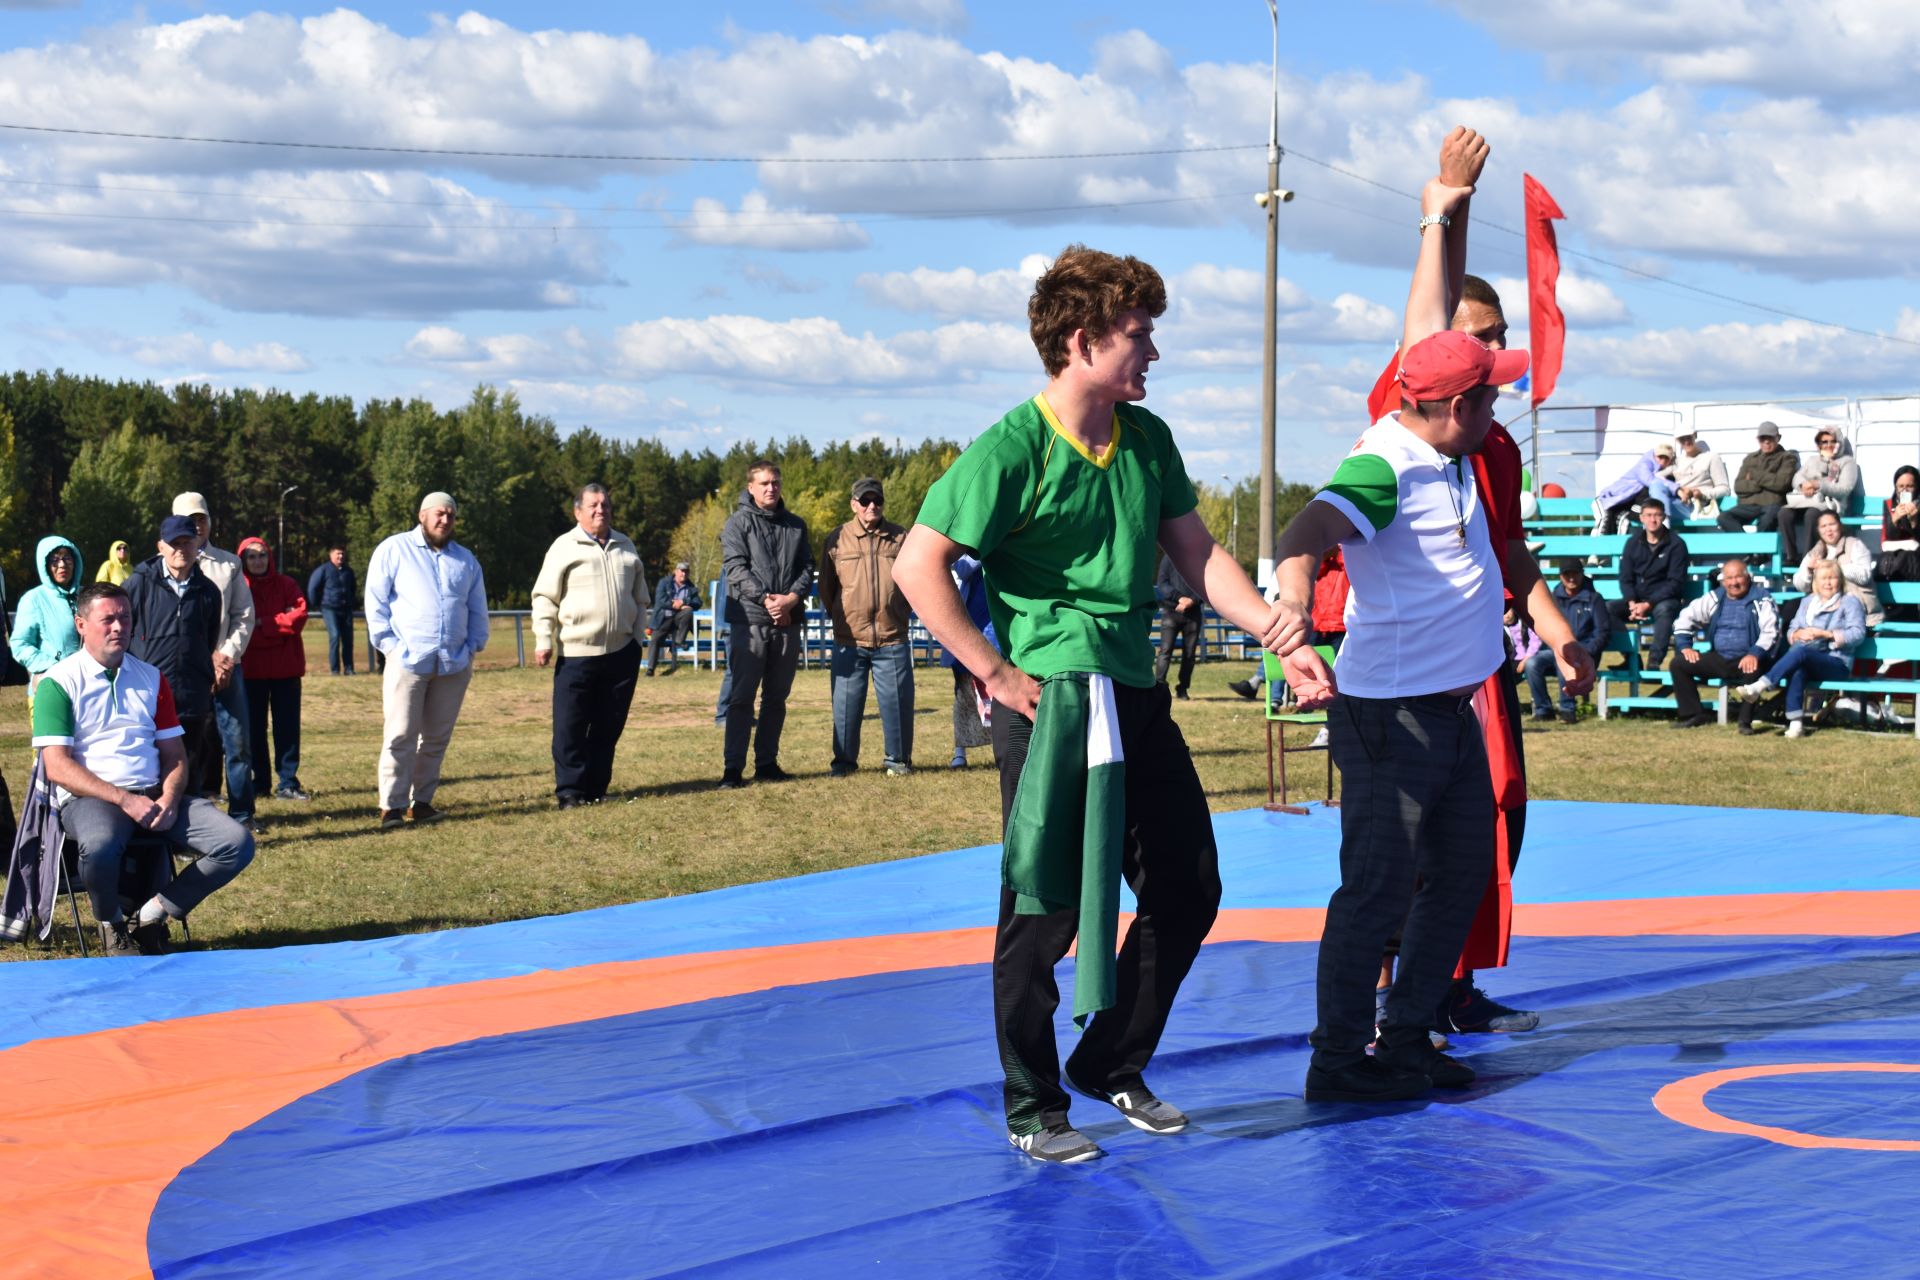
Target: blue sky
point(1760, 150)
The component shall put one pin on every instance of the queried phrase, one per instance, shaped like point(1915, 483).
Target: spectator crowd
point(178, 676)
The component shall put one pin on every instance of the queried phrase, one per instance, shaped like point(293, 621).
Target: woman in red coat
point(275, 660)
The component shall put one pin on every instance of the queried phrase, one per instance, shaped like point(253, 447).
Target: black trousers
point(202, 746)
point(1416, 845)
point(1763, 519)
point(1708, 666)
point(591, 697)
point(1182, 629)
point(670, 635)
point(1174, 870)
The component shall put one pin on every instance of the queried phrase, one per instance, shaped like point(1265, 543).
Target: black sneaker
point(1431, 1064)
point(568, 800)
point(1368, 1080)
point(1062, 1144)
point(291, 793)
point(420, 812)
point(1470, 1011)
point(1693, 722)
point(1139, 1106)
point(771, 773)
point(391, 818)
point(1569, 717)
point(732, 781)
point(1245, 688)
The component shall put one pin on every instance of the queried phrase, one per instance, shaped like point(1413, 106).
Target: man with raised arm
point(1423, 635)
point(1067, 502)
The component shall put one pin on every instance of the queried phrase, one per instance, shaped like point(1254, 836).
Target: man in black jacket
point(1180, 615)
point(176, 622)
point(332, 590)
point(1653, 582)
point(768, 562)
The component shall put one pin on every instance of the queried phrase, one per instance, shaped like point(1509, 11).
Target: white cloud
point(816, 351)
point(1838, 48)
point(759, 225)
point(503, 355)
point(1784, 357)
point(1584, 301)
point(959, 292)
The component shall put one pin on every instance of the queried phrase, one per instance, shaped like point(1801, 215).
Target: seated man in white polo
point(110, 740)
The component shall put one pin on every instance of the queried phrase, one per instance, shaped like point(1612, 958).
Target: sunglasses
point(870, 502)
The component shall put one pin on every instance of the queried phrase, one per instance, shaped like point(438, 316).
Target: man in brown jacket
point(869, 618)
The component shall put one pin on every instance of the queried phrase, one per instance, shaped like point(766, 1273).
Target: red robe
point(1496, 473)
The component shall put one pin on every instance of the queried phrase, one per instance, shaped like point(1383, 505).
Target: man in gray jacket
point(767, 557)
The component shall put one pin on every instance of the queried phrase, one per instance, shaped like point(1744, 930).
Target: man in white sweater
point(590, 604)
point(1700, 477)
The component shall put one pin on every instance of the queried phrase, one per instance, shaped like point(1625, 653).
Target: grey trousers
point(1416, 806)
point(103, 831)
point(421, 708)
point(758, 656)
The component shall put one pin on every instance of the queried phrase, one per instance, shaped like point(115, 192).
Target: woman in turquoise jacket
point(43, 627)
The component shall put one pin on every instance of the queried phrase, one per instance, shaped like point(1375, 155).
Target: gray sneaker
point(1062, 1144)
point(1140, 1107)
point(116, 939)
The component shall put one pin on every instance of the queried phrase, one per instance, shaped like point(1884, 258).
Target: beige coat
point(856, 585)
point(589, 599)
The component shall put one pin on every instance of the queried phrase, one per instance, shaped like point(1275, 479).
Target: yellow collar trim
point(1104, 458)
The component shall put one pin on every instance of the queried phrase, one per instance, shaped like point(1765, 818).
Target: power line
point(473, 152)
point(554, 228)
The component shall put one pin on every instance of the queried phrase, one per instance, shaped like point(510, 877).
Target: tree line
point(98, 461)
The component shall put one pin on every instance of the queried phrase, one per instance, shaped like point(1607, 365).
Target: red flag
point(1546, 327)
point(1385, 396)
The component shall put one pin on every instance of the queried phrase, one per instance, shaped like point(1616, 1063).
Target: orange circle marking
point(1686, 1102)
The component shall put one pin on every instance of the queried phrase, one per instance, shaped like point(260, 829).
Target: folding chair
point(1276, 715)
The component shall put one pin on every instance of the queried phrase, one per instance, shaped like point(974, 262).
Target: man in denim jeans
point(230, 714)
point(870, 620)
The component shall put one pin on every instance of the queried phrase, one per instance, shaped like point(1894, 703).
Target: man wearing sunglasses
point(870, 620)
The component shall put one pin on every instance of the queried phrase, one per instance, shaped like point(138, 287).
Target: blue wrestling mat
point(764, 1082)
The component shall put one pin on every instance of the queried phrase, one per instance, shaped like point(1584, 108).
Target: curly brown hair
point(1087, 289)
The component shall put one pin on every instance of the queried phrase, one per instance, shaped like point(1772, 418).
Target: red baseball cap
point(1443, 365)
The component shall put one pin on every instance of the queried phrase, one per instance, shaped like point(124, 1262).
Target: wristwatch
point(1435, 220)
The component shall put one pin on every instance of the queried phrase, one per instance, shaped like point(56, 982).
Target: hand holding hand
point(1014, 689)
point(164, 813)
point(1309, 678)
point(1438, 199)
point(138, 807)
point(1576, 668)
point(1286, 627)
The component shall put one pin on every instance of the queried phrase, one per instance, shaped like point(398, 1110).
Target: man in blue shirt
point(427, 612)
point(330, 589)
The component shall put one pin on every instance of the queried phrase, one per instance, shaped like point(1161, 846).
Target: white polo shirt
point(1424, 612)
point(112, 720)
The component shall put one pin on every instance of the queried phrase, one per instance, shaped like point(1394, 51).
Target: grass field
point(324, 873)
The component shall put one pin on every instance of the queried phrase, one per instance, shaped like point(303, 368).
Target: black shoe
point(732, 781)
point(1245, 688)
point(843, 770)
point(1420, 1056)
point(150, 938)
point(1141, 1109)
point(1180, 694)
point(1569, 717)
point(568, 800)
point(116, 939)
point(1693, 722)
point(1471, 1011)
point(771, 773)
point(1368, 1080)
point(1748, 730)
point(391, 818)
point(420, 813)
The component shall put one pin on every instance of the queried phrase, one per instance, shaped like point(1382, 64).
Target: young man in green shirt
point(1067, 502)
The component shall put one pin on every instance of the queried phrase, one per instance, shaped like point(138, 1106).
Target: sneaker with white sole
point(1140, 1107)
point(1062, 1144)
point(1796, 728)
point(1471, 1011)
point(1753, 692)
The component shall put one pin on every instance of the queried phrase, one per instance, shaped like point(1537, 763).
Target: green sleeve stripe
point(1367, 482)
point(52, 711)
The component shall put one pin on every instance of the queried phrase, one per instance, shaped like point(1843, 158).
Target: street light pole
point(1270, 199)
point(282, 547)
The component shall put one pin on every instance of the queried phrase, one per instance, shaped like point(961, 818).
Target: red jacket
point(1330, 593)
point(275, 650)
